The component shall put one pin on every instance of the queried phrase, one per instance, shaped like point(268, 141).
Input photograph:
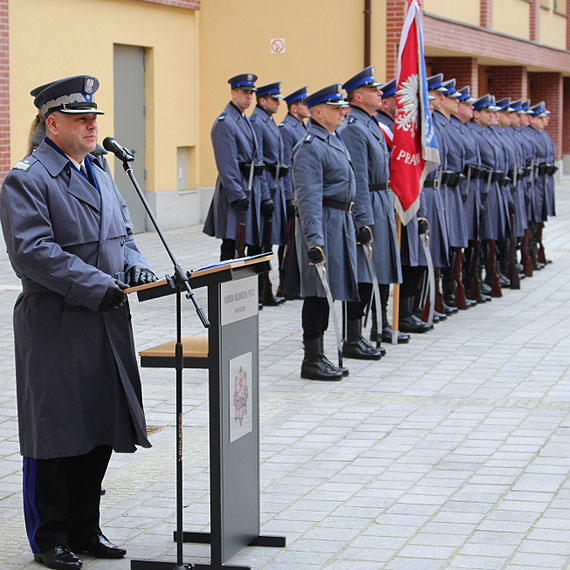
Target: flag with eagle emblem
point(415, 151)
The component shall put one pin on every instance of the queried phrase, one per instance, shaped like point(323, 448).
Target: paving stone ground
point(451, 452)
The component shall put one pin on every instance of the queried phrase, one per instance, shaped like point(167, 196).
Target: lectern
point(230, 353)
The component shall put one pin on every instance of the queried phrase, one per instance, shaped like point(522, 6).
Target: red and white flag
point(415, 151)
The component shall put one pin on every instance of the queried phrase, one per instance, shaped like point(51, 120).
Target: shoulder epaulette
point(222, 117)
point(24, 164)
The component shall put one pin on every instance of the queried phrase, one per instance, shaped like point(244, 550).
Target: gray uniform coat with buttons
point(235, 143)
point(322, 169)
point(78, 384)
point(365, 142)
point(271, 148)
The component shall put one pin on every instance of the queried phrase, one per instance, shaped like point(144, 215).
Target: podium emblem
point(240, 408)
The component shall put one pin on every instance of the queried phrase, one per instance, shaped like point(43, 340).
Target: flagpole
point(396, 291)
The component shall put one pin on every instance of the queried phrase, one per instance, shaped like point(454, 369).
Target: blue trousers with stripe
point(62, 498)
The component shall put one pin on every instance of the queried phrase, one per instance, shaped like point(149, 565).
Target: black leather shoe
point(59, 557)
point(411, 324)
point(332, 366)
point(100, 547)
point(440, 316)
point(403, 338)
point(315, 368)
point(470, 302)
point(360, 349)
point(485, 289)
point(450, 310)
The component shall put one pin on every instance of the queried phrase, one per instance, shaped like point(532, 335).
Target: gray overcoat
point(322, 170)
point(77, 379)
point(235, 145)
point(375, 208)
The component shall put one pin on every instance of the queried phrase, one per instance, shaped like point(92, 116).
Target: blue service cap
point(465, 95)
point(245, 81)
point(516, 106)
point(72, 95)
point(270, 90)
point(331, 95)
point(435, 83)
point(505, 105)
point(525, 107)
point(493, 106)
point(483, 102)
point(450, 90)
point(388, 89)
point(299, 95)
point(537, 110)
point(364, 78)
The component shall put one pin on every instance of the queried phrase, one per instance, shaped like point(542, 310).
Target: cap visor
point(81, 111)
point(337, 103)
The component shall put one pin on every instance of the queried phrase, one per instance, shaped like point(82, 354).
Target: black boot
point(403, 338)
point(355, 346)
point(409, 323)
point(324, 358)
point(314, 366)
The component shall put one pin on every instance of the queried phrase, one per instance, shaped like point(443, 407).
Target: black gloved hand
point(423, 226)
point(243, 203)
point(139, 275)
point(482, 210)
point(114, 296)
point(290, 209)
point(464, 197)
point(512, 208)
point(363, 235)
point(316, 254)
point(267, 206)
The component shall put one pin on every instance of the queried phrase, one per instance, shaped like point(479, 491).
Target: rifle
point(513, 270)
point(240, 238)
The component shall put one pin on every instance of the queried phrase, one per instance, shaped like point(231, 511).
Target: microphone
point(110, 144)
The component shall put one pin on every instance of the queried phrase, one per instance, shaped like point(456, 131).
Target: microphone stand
point(179, 281)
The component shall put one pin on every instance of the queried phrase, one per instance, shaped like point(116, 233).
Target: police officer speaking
point(70, 241)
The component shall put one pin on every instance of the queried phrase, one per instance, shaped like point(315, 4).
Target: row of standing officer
point(490, 196)
point(341, 184)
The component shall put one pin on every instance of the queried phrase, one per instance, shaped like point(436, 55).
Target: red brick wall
point(566, 113)
point(508, 81)
point(4, 91)
point(464, 69)
point(549, 87)
point(395, 10)
point(487, 14)
point(534, 24)
point(190, 4)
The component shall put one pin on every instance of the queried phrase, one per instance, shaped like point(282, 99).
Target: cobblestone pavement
point(451, 452)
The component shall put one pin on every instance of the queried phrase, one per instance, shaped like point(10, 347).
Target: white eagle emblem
point(89, 83)
point(408, 104)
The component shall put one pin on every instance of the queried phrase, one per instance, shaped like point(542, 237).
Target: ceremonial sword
point(367, 247)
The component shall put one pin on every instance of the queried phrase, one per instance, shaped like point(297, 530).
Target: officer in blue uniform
point(292, 129)
point(469, 189)
point(325, 189)
point(412, 271)
point(432, 205)
point(271, 146)
point(69, 239)
point(373, 206)
point(240, 187)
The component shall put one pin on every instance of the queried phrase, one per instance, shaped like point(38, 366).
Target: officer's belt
point(29, 286)
point(337, 204)
point(432, 183)
point(258, 168)
point(380, 186)
point(272, 168)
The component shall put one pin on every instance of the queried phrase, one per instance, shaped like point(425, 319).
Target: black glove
point(512, 208)
point(290, 209)
point(267, 206)
point(316, 254)
point(423, 226)
point(114, 296)
point(243, 203)
point(139, 275)
point(363, 235)
point(464, 197)
point(482, 210)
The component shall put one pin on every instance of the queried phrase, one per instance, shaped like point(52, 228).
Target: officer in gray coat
point(240, 187)
point(325, 189)
point(292, 129)
point(373, 207)
point(70, 241)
